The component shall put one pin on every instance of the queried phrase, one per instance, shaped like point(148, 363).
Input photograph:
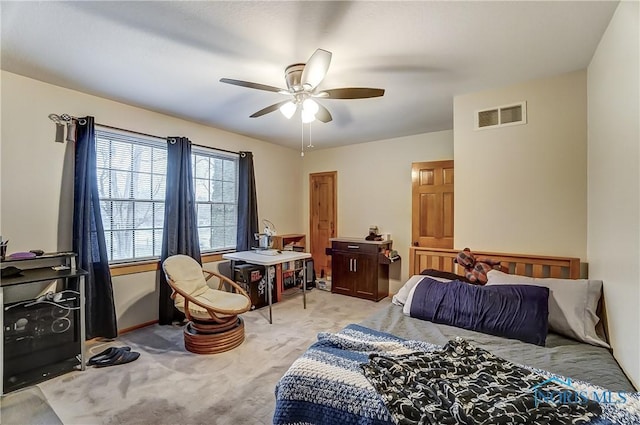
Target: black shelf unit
point(41, 338)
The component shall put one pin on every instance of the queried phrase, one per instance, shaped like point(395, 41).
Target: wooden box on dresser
point(359, 268)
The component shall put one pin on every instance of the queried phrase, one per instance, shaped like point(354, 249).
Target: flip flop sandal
point(123, 356)
point(106, 354)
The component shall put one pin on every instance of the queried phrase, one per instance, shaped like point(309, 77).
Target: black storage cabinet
point(253, 280)
point(36, 335)
point(42, 336)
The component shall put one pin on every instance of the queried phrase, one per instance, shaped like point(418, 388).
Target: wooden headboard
point(527, 265)
point(522, 264)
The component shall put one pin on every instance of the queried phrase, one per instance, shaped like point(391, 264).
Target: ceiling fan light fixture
point(307, 116)
point(310, 106)
point(288, 109)
point(302, 85)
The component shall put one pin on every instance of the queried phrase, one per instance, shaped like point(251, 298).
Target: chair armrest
point(224, 279)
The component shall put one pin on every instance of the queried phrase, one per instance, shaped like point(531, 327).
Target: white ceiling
point(169, 56)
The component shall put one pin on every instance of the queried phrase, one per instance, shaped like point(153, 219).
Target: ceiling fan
point(302, 85)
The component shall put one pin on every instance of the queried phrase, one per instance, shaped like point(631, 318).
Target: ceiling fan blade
point(323, 114)
point(251, 85)
point(352, 93)
point(268, 109)
point(316, 68)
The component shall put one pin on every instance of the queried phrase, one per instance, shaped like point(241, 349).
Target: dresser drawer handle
point(353, 247)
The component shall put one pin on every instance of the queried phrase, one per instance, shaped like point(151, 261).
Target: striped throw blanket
point(326, 385)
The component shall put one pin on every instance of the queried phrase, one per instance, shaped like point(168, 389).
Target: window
point(216, 192)
point(131, 173)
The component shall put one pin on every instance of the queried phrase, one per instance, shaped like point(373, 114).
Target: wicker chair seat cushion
point(186, 273)
point(228, 302)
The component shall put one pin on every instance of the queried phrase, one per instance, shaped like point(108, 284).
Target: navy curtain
point(180, 235)
point(247, 203)
point(88, 237)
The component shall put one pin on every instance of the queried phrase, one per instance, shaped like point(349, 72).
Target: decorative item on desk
point(265, 239)
point(373, 234)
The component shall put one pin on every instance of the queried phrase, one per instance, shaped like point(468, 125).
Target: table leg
point(304, 283)
point(83, 335)
point(279, 283)
point(2, 341)
point(269, 290)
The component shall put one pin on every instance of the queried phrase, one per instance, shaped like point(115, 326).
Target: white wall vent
point(501, 116)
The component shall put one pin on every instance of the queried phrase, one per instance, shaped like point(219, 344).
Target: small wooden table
point(254, 257)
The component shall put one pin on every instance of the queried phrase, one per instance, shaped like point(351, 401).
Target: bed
point(393, 368)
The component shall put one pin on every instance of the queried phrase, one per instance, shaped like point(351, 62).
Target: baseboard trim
point(133, 328)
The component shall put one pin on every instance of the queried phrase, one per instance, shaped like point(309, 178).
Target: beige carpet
point(27, 406)
point(169, 385)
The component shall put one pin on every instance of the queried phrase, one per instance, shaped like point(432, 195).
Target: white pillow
point(401, 297)
point(406, 308)
point(573, 304)
point(403, 294)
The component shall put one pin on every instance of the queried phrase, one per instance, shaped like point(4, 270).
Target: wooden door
point(432, 204)
point(322, 218)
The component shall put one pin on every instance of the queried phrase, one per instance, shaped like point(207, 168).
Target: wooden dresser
point(359, 268)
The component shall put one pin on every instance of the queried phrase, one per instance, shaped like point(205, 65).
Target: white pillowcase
point(573, 304)
point(406, 308)
point(401, 297)
point(403, 294)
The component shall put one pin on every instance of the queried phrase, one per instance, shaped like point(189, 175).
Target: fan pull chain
point(310, 145)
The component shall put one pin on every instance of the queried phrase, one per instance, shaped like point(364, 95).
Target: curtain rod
point(164, 138)
point(67, 118)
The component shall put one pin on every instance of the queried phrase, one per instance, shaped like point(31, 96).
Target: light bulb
point(307, 116)
point(310, 105)
point(288, 109)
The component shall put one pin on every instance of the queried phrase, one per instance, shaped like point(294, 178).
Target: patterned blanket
point(327, 385)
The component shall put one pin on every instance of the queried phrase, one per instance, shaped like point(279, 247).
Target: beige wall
point(374, 187)
point(37, 183)
point(523, 188)
point(613, 248)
